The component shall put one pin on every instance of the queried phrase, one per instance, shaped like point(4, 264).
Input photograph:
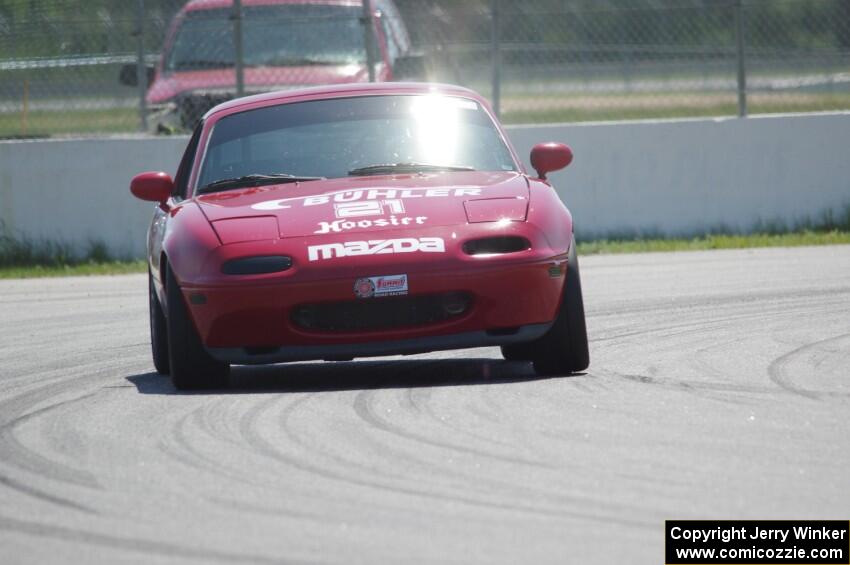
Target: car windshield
point(362, 135)
point(285, 35)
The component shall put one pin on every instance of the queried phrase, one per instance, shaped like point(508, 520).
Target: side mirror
point(550, 157)
point(153, 187)
point(129, 77)
point(411, 66)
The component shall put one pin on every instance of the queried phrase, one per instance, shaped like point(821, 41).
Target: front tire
point(192, 368)
point(159, 330)
point(518, 352)
point(563, 349)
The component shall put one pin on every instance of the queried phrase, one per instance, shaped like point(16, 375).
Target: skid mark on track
point(165, 549)
point(19, 456)
point(420, 400)
point(399, 483)
point(179, 447)
point(42, 495)
point(313, 445)
point(710, 320)
point(404, 447)
point(651, 307)
point(779, 374)
point(10, 447)
point(364, 407)
point(277, 512)
point(691, 386)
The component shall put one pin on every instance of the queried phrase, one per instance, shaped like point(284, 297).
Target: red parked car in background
point(286, 44)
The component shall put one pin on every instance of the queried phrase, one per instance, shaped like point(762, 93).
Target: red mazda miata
point(355, 221)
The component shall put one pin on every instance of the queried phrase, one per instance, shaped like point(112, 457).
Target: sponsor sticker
point(338, 226)
point(364, 288)
point(388, 285)
point(376, 247)
point(368, 202)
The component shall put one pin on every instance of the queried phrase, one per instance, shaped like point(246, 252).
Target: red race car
point(353, 221)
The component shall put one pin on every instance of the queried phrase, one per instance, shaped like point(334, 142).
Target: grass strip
point(707, 242)
point(75, 270)
point(598, 247)
point(517, 109)
point(45, 123)
point(20, 258)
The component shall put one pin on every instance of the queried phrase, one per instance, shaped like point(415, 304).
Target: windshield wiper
point(388, 168)
point(253, 180)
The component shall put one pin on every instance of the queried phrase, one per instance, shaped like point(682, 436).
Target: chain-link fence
point(114, 66)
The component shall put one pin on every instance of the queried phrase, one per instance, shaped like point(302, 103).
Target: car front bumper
point(510, 302)
point(347, 351)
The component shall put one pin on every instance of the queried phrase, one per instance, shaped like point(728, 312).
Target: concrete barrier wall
point(668, 177)
point(688, 176)
point(77, 191)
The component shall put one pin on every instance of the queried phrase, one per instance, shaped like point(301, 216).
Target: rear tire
point(192, 368)
point(563, 349)
point(159, 330)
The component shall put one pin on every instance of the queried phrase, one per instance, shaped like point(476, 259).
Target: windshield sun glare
point(333, 137)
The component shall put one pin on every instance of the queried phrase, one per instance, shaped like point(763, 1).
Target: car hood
point(257, 79)
point(366, 204)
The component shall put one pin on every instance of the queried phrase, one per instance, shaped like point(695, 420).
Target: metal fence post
point(496, 56)
point(742, 76)
point(141, 68)
point(369, 38)
point(237, 44)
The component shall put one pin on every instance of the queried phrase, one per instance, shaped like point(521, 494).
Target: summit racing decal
point(390, 285)
point(383, 194)
point(376, 247)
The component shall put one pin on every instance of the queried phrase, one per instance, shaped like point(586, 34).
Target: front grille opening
point(496, 245)
point(259, 265)
point(503, 331)
point(377, 314)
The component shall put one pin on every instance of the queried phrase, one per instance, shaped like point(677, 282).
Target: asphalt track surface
point(719, 387)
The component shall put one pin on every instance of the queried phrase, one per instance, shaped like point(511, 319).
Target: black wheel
point(518, 352)
point(159, 330)
point(563, 349)
point(192, 368)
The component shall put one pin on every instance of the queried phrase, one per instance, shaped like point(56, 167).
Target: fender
point(189, 238)
point(548, 212)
